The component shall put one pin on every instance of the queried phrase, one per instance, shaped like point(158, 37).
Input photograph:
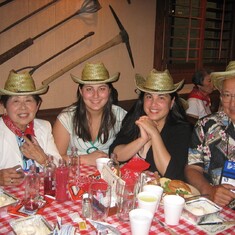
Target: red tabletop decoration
point(136, 164)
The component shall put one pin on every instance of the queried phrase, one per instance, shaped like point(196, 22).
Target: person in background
point(213, 143)
point(24, 140)
point(156, 128)
point(91, 123)
point(199, 98)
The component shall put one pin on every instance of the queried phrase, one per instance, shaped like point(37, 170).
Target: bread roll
point(177, 185)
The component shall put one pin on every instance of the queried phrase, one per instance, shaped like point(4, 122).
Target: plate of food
point(178, 187)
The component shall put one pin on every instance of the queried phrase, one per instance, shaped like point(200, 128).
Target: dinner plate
point(194, 192)
point(151, 177)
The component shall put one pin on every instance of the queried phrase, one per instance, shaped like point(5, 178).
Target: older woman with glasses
point(212, 147)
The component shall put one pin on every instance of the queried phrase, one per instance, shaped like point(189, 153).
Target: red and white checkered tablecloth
point(66, 208)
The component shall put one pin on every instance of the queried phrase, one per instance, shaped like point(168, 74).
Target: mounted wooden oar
point(122, 37)
point(27, 16)
point(5, 2)
point(35, 67)
point(88, 6)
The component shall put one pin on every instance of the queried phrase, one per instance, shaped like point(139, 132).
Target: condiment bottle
point(62, 174)
point(49, 177)
point(74, 165)
point(114, 164)
point(32, 187)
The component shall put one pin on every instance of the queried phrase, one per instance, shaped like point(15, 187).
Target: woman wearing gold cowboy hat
point(21, 101)
point(90, 124)
point(212, 146)
point(156, 128)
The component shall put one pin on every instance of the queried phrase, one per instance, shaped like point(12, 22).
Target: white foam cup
point(140, 220)
point(173, 206)
point(147, 201)
point(100, 162)
point(157, 190)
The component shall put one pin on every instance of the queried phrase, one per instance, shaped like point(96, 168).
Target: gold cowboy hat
point(159, 82)
point(95, 74)
point(219, 77)
point(21, 84)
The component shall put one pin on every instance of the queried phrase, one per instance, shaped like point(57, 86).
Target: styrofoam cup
point(173, 206)
point(157, 190)
point(100, 162)
point(140, 220)
point(147, 201)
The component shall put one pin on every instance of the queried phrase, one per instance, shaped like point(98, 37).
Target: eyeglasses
point(226, 97)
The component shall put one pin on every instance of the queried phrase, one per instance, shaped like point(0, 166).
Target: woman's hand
point(149, 126)
point(11, 176)
point(90, 158)
point(31, 149)
point(143, 134)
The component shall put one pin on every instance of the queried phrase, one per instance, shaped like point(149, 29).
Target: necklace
point(92, 148)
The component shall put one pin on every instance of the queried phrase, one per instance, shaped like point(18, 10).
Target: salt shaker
point(86, 206)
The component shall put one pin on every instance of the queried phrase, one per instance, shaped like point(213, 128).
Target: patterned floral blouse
point(213, 142)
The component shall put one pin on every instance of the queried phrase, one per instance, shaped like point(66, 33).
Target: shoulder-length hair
point(176, 115)
point(80, 120)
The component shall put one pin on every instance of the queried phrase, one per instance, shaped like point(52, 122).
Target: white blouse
point(66, 119)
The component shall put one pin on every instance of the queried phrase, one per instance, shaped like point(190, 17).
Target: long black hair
point(176, 115)
point(80, 121)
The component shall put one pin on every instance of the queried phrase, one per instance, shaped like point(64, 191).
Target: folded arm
point(220, 194)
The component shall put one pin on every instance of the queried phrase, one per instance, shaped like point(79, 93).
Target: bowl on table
point(6, 200)
point(200, 210)
point(35, 224)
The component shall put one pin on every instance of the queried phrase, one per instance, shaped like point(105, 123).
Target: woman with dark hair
point(156, 128)
point(24, 139)
point(199, 99)
point(90, 124)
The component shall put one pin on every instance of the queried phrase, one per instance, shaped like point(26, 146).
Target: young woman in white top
point(90, 124)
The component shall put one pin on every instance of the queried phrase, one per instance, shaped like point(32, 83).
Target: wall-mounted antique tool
point(35, 67)
point(127, 40)
point(88, 6)
point(121, 37)
point(27, 16)
point(5, 2)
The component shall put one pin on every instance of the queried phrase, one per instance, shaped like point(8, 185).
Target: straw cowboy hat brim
point(157, 82)
point(40, 91)
point(114, 78)
point(184, 103)
point(21, 84)
point(219, 77)
point(95, 74)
